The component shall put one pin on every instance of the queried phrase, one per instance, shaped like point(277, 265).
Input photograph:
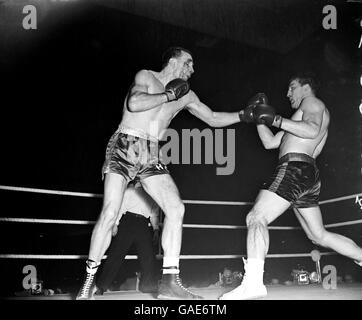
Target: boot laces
point(87, 284)
point(179, 283)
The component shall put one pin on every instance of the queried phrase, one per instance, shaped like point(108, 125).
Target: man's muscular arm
point(213, 119)
point(139, 99)
point(310, 125)
point(269, 140)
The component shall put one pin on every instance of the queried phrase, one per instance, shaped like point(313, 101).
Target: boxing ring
point(276, 291)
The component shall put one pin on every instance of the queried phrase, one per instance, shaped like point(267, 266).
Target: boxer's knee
point(319, 238)
point(175, 211)
point(312, 238)
point(255, 217)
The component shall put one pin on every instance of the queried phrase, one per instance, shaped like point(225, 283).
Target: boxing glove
point(246, 115)
point(176, 88)
point(259, 98)
point(265, 114)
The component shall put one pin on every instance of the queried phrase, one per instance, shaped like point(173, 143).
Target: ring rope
point(96, 195)
point(352, 196)
point(53, 221)
point(93, 195)
point(159, 256)
point(196, 226)
point(220, 226)
point(47, 191)
point(339, 224)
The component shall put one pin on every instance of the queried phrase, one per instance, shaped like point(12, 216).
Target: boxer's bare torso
point(156, 120)
point(313, 147)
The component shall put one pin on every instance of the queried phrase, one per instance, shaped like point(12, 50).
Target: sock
point(92, 266)
point(254, 269)
point(171, 265)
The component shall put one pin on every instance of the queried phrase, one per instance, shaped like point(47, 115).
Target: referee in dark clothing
point(137, 224)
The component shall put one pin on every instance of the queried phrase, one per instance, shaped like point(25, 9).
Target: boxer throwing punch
point(153, 100)
point(295, 181)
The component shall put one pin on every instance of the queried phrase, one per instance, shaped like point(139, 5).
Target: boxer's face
point(295, 93)
point(184, 66)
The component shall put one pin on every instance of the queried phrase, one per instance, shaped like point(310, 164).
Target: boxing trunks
point(133, 153)
point(296, 179)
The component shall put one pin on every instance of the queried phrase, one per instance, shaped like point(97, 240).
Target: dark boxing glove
point(176, 88)
point(265, 114)
point(259, 98)
point(247, 115)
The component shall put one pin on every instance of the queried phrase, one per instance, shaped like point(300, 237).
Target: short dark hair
point(172, 52)
point(307, 78)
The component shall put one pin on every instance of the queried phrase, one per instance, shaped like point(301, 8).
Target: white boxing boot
point(252, 286)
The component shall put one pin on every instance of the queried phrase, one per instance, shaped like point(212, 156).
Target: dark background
point(62, 90)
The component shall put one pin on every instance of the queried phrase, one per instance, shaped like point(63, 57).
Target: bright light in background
point(360, 108)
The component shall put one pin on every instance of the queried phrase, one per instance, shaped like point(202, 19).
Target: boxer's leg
point(268, 206)
point(114, 187)
point(320, 236)
point(163, 190)
point(117, 251)
point(303, 224)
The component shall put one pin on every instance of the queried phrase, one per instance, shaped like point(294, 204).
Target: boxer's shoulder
point(312, 103)
point(145, 76)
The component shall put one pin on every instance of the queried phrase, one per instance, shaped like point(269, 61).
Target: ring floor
point(344, 291)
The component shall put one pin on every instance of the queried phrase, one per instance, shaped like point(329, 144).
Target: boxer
point(153, 100)
point(295, 181)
